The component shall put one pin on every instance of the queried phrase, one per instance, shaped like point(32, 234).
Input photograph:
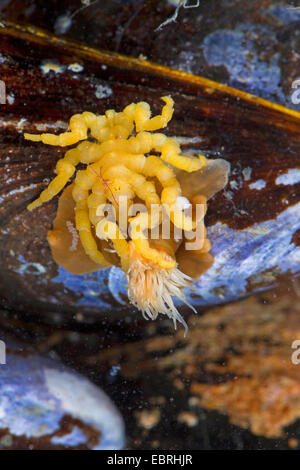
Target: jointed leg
point(143, 120)
point(79, 125)
point(83, 225)
point(108, 230)
point(154, 167)
point(65, 168)
point(64, 171)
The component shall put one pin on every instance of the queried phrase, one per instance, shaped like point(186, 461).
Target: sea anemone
point(139, 204)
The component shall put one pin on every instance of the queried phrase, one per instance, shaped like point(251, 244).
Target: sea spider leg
point(144, 190)
point(85, 208)
point(65, 168)
point(109, 230)
point(154, 167)
point(83, 225)
point(83, 184)
point(143, 120)
point(79, 125)
point(64, 171)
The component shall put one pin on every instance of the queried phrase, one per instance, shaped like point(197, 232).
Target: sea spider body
point(120, 164)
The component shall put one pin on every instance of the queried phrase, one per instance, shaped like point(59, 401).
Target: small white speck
point(259, 184)
point(228, 195)
point(22, 122)
point(103, 91)
point(247, 173)
point(234, 185)
point(52, 66)
point(11, 98)
point(183, 203)
point(189, 140)
point(75, 67)
point(114, 371)
point(62, 24)
point(36, 269)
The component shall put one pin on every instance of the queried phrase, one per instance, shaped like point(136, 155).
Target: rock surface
point(44, 405)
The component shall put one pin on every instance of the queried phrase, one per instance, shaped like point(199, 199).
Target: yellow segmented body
point(117, 168)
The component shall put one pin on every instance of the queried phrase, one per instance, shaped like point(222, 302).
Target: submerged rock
point(44, 405)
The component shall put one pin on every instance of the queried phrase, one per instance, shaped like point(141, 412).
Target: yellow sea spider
point(115, 211)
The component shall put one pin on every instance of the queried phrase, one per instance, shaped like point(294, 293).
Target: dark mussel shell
point(254, 224)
